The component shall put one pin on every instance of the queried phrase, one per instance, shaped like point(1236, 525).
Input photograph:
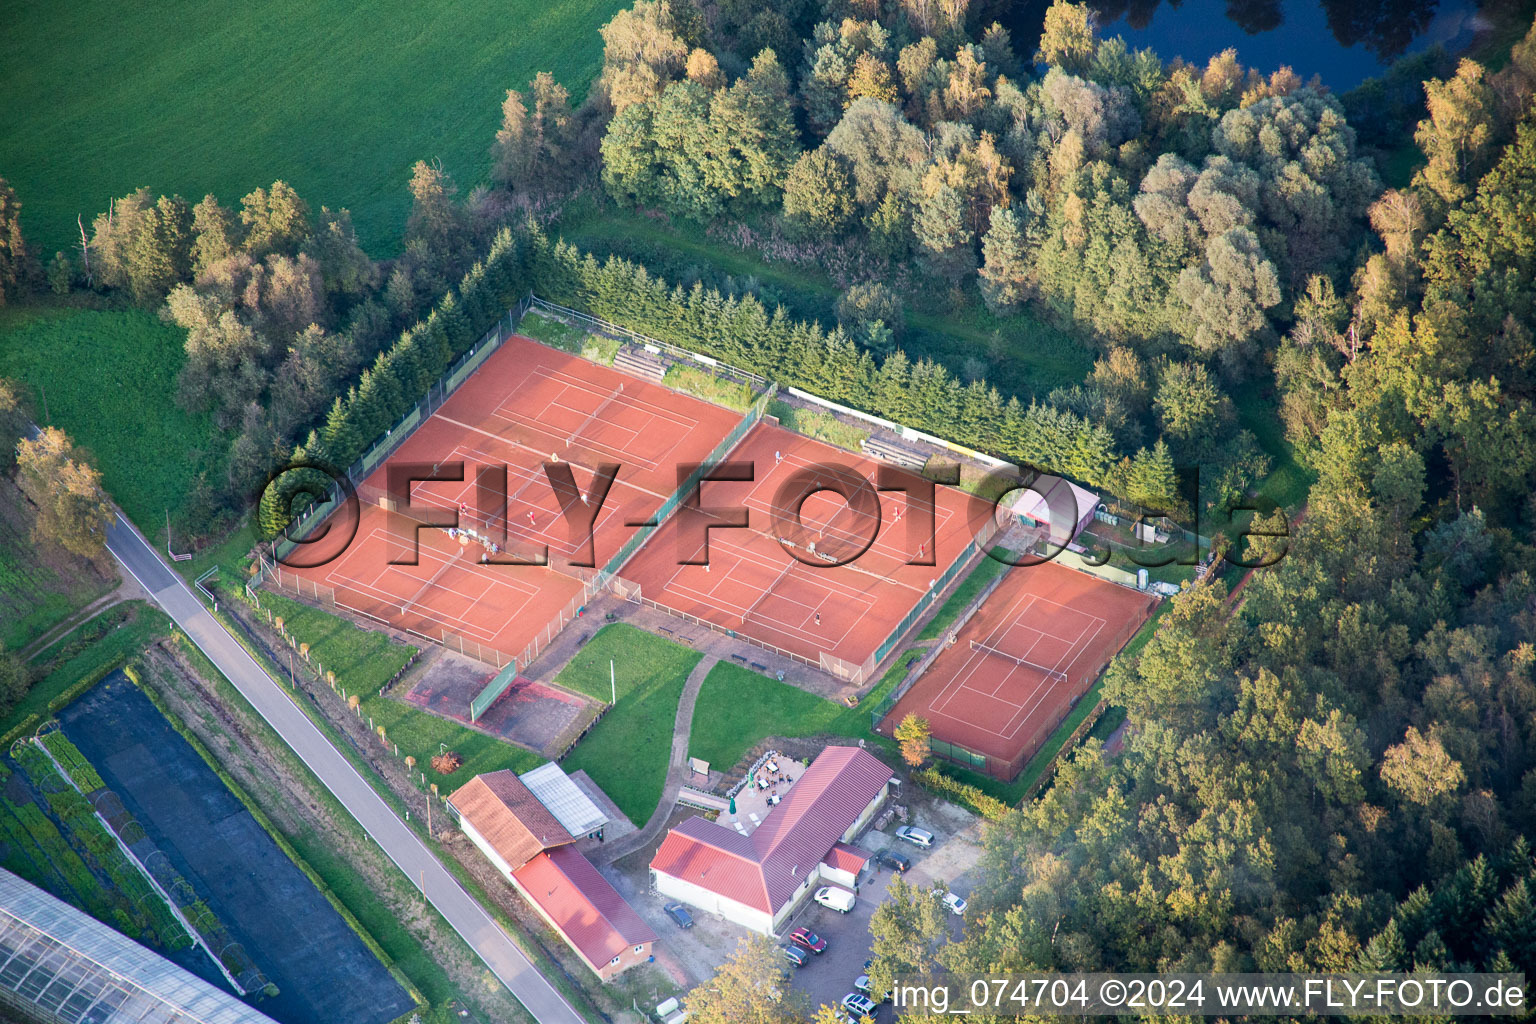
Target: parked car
point(797, 957)
point(807, 939)
point(893, 860)
point(679, 914)
point(833, 898)
point(916, 836)
point(858, 1005)
point(861, 984)
point(955, 904)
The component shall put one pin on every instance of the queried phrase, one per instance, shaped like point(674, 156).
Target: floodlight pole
point(613, 685)
point(429, 822)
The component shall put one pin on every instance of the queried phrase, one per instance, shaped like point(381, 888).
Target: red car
point(808, 939)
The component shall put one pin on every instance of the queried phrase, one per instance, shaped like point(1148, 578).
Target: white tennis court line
point(515, 516)
point(736, 612)
point(541, 456)
point(671, 420)
point(976, 660)
point(885, 543)
point(372, 589)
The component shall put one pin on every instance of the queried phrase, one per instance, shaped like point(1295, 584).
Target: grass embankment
point(79, 659)
point(691, 380)
point(364, 661)
point(337, 99)
point(568, 338)
point(627, 752)
point(821, 425)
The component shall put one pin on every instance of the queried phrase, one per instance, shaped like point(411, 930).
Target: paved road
point(394, 837)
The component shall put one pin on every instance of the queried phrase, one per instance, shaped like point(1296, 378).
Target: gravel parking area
point(951, 859)
point(691, 956)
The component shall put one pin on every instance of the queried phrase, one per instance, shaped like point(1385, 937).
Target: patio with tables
point(765, 787)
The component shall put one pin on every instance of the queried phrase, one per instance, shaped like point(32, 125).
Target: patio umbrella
point(733, 806)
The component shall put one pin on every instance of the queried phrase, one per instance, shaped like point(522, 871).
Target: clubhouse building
point(759, 879)
point(527, 826)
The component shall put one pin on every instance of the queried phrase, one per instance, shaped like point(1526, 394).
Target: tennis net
point(1050, 672)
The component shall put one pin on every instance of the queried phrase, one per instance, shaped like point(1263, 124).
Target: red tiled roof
point(715, 857)
point(763, 870)
point(847, 858)
point(509, 817)
point(589, 912)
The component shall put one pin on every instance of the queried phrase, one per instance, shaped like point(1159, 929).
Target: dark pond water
point(1343, 41)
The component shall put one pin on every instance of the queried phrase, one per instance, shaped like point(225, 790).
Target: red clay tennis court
point(527, 405)
point(1015, 669)
point(753, 587)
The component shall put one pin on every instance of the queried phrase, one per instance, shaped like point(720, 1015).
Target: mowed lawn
point(108, 380)
point(198, 96)
point(627, 752)
point(738, 707)
point(364, 660)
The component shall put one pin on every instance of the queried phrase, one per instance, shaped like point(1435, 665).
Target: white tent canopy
point(1059, 505)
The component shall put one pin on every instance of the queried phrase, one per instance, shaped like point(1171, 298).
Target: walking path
point(466, 916)
point(127, 590)
point(677, 768)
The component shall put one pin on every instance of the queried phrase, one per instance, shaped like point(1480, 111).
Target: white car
point(830, 896)
point(916, 836)
point(955, 904)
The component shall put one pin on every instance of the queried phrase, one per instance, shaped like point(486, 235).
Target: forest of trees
point(1338, 772)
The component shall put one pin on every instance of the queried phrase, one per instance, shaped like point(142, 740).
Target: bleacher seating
point(897, 454)
point(639, 362)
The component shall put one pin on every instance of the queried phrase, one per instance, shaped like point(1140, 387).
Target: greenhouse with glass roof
point(59, 966)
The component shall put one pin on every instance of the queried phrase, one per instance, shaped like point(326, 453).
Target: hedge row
point(739, 330)
point(963, 793)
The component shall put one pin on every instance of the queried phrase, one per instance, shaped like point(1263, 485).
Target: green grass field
point(738, 707)
point(626, 753)
point(364, 660)
point(108, 380)
point(217, 96)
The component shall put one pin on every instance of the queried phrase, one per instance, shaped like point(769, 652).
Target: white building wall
point(749, 917)
point(713, 903)
point(486, 848)
point(868, 815)
point(836, 876)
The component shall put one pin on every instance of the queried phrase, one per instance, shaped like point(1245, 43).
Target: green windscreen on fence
point(923, 602)
point(720, 451)
point(957, 754)
point(500, 683)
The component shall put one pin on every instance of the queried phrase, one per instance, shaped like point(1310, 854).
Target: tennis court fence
point(438, 393)
point(980, 542)
point(922, 665)
point(749, 420)
point(1064, 699)
point(631, 592)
